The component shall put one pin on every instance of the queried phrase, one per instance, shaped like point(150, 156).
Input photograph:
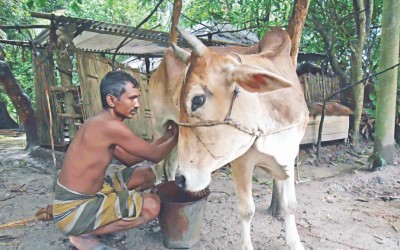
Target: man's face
point(128, 104)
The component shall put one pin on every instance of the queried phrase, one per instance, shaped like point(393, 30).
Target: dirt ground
point(341, 205)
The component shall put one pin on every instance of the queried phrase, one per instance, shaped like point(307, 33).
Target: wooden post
point(45, 78)
point(65, 51)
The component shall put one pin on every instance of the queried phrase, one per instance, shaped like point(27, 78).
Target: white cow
point(247, 110)
point(164, 92)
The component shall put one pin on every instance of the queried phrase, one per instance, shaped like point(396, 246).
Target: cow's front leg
point(242, 176)
point(285, 192)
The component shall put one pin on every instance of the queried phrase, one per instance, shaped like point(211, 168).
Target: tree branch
point(330, 51)
point(233, 31)
point(361, 81)
point(124, 42)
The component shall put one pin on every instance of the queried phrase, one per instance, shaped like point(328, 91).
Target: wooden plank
point(64, 89)
point(335, 128)
point(72, 116)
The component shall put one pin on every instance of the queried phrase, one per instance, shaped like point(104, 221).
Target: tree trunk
point(296, 24)
point(361, 10)
point(6, 122)
point(21, 103)
point(45, 79)
point(330, 51)
point(175, 21)
point(357, 97)
point(295, 27)
point(384, 146)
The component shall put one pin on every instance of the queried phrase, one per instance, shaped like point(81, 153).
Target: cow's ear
point(256, 79)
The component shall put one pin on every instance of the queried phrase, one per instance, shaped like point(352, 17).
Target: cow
point(164, 91)
point(237, 106)
point(246, 110)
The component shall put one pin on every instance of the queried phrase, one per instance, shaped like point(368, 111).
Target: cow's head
point(207, 98)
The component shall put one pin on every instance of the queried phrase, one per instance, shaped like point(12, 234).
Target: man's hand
point(175, 129)
point(172, 129)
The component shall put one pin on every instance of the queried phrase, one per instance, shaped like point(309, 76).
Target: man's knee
point(149, 174)
point(142, 178)
point(151, 206)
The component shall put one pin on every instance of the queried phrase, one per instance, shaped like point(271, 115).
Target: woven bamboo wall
point(313, 86)
point(91, 70)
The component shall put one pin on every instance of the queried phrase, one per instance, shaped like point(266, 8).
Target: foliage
point(255, 15)
point(21, 66)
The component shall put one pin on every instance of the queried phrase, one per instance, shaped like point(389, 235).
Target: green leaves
point(75, 6)
point(30, 4)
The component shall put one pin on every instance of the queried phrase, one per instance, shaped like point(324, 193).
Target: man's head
point(114, 84)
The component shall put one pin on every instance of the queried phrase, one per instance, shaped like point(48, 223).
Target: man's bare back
point(98, 140)
point(88, 156)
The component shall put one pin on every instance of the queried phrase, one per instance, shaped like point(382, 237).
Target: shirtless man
point(88, 204)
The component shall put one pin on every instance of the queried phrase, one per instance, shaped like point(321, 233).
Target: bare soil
point(341, 203)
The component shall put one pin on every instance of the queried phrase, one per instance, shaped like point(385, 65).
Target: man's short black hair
point(113, 83)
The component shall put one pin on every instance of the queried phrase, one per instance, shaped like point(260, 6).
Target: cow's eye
point(198, 101)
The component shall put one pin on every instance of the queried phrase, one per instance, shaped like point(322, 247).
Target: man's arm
point(137, 149)
point(130, 160)
point(126, 158)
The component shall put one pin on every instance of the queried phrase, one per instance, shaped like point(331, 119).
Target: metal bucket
point(181, 216)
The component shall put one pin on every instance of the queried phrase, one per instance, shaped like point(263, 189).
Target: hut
point(68, 94)
point(319, 83)
point(70, 58)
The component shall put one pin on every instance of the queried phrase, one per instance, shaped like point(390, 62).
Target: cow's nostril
point(180, 181)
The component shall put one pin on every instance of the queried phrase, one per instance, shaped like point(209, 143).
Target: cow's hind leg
point(242, 176)
point(287, 204)
point(275, 209)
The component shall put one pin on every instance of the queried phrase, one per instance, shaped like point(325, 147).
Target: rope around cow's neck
point(236, 125)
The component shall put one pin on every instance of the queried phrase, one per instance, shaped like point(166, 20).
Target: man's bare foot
point(84, 242)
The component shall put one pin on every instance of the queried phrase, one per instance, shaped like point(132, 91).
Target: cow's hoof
point(247, 247)
point(296, 246)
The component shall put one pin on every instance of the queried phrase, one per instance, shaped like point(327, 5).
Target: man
point(86, 203)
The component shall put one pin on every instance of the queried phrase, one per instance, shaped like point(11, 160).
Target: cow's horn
point(197, 46)
point(182, 54)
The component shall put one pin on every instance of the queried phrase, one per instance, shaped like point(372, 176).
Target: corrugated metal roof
point(96, 36)
point(104, 37)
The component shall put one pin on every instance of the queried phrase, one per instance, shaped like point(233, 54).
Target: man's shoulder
point(99, 122)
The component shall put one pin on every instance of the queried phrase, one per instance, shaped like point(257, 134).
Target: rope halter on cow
point(231, 122)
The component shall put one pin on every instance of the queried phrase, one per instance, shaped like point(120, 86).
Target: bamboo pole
point(65, 49)
point(43, 15)
point(64, 89)
point(43, 214)
point(38, 26)
point(70, 116)
point(46, 91)
point(19, 223)
point(17, 43)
